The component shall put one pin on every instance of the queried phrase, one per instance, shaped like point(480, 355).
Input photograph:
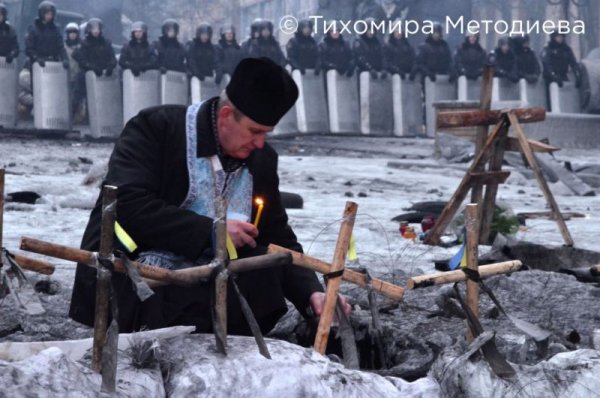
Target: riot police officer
point(470, 58)
point(229, 51)
point(171, 53)
point(434, 57)
point(137, 54)
point(557, 58)
point(202, 55)
point(254, 35)
point(368, 52)
point(9, 46)
point(76, 81)
point(266, 45)
point(503, 61)
point(302, 51)
point(335, 53)
point(527, 65)
point(399, 55)
point(44, 40)
point(96, 52)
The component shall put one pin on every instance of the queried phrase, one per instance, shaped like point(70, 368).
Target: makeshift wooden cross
point(492, 155)
point(141, 274)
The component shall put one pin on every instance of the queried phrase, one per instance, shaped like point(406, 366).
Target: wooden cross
point(492, 155)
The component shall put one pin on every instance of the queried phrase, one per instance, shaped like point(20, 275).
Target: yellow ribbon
point(233, 255)
point(352, 250)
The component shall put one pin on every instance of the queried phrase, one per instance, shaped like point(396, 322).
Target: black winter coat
point(469, 60)
point(44, 42)
point(434, 58)
point(171, 54)
point(504, 64)
point(557, 59)
point(399, 56)
point(138, 55)
point(268, 48)
point(527, 65)
point(230, 55)
point(149, 167)
point(336, 54)
point(95, 53)
point(9, 45)
point(302, 52)
point(202, 59)
point(368, 53)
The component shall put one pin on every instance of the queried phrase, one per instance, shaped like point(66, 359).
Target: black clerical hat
point(262, 90)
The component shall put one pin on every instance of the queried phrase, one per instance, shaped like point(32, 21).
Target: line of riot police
point(513, 58)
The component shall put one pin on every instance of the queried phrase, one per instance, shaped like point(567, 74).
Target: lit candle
point(261, 204)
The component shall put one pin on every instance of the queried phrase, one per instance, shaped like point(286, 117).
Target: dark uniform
point(254, 34)
point(9, 45)
point(202, 56)
point(266, 45)
point(44, 40)
point(503, 61)
point(557, 58)
point(152, 167)
point(399, 56)
point(170, 52)
point(96, 52)
point(229, 51)
point(434, 57)
point(527, 65)
point(137, 54)
point(470, 58)
point(302, 50)
point(335, 53)
point(368, 53)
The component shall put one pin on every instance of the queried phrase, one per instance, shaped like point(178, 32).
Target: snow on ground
point(55, 170)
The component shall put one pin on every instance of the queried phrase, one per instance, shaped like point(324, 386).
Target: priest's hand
point(317, 302)
point(242, 233)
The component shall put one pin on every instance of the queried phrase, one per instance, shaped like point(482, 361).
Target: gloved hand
point(9, 59)
point(462, 72)
point(349, 73)
point(163, 70)
point(42, 63)
point(302, 71)
point(402, 75)
point(317, 72)
point(201, 78)
point(373, 74)
point(65, 63)
point(340, 70)
point(531, 79)
point(412, 76)
point(432, 77)
point(513, 78)
point(98, 72)
point(108, 72)
point(135, 71)
point(218, 78)
point(383, 75)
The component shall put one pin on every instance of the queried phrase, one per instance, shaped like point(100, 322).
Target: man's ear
point(225, 111)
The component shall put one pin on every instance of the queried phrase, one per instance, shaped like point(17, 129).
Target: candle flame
point(259, 201)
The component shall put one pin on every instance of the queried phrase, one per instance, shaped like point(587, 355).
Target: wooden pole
point(387, 289)
point(485, 104)
point(103, 280)
point(183, 277)
point(531, 159)
point(221, 280)
point(472, 246)
point(32, 264)
point(487, 118)
point(333, 284)
point(442, 278)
